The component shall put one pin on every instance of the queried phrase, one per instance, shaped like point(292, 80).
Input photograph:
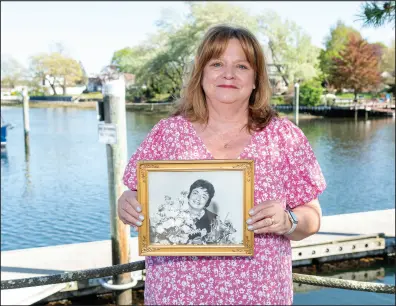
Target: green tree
point(378, 13)
point(388, 58)
point(310, 92)
point(160, 62)
point(291, 49)
point(57, 69)
point(387, 65)
point(334, 44)
point(12, 72)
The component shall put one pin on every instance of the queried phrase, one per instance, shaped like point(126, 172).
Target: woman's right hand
point(129, 209)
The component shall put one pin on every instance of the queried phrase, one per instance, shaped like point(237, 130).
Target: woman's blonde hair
point(192, 104)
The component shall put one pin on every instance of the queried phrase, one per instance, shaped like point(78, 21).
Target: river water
point(60, 194)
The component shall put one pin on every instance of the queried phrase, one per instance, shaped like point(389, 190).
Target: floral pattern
point(285, 169)
point(173, 223)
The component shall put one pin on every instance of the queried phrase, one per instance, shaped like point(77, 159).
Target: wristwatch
point(293, 219)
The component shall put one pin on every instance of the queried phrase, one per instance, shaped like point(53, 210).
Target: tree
point(12, 72)
point(388, 58)
point(84, 78)
point(291, 50)
point(57, 69)
point(378, 13)
point(310, 93)
point(334, 44)
point(357, 66)
point(160, 62)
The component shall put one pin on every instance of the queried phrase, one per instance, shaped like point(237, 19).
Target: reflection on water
point(358, 161)
point(62, 183)
point(310, 295)
point(4, 158)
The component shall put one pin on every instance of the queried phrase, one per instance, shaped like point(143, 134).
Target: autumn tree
point(357, 67)
point(334, 43)
point(56, 69)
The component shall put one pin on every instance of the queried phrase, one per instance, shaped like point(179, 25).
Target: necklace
point(233, 138)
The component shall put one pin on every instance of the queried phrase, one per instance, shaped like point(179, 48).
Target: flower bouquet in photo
point(174, 224)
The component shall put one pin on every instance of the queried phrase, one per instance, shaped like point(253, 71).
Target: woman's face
point(198, 198)
point(230, 78)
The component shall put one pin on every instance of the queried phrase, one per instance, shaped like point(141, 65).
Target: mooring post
point(25, 101)
point(114, 131)
point(296, 102)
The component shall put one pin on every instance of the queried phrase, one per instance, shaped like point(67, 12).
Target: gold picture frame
point(172, 195)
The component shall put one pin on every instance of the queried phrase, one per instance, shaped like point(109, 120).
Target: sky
point(92, 31)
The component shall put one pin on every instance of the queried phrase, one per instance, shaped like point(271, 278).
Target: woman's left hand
point(269, 217)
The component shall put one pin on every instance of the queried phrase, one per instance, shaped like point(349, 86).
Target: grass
point(350, 95)
point(90, 96)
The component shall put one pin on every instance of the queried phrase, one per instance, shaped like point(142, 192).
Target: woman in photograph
point(225, 113)
point(199, 197)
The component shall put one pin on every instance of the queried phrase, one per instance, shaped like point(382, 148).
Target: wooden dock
point(340, 237)
point(366, 110)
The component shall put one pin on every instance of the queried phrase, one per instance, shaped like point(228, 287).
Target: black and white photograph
point(196, 208)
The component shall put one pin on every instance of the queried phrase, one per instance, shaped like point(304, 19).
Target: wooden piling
point(296, 102)
point(26, 123)
point(115, 116)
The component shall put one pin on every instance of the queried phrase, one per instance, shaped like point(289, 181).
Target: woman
point(199, 197)
point(224, 113)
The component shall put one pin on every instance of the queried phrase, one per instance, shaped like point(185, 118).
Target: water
point(333, 296)
point(60, 194)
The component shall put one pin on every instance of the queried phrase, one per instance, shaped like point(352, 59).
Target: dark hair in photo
point(204, 185)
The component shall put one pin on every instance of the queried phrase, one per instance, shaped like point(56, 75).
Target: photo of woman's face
point(198, 198)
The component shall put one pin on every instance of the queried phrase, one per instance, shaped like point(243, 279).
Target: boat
point(4, 127)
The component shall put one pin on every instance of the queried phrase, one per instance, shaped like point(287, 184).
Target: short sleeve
point(303, 177)
point(149, 149)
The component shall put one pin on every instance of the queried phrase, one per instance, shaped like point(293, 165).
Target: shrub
point(275, 100)
point(310, 93)
point(37, 91)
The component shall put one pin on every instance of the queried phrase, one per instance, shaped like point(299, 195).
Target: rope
point(140, 265)
point(343, 283)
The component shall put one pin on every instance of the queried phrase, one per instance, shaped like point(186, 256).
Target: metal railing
point(140, 265)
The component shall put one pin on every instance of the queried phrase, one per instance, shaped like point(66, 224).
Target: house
point(129, 79)
point(95, 83)
point(46, 87)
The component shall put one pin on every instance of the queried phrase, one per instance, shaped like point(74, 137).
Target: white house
point(75, 90)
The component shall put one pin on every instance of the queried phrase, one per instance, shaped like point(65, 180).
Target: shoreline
point(146, 108)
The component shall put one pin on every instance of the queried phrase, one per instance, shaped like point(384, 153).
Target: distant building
point(129, 79)
point(95, 84)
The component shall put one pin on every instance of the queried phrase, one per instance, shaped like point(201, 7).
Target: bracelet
point(294, 223)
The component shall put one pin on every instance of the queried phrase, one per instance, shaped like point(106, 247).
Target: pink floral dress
point(285, 169)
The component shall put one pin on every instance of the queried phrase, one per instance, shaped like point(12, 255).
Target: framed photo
point(196, 207)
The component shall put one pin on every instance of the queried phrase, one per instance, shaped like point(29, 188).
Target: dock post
point(296, 102)
point(25, 100)
point(116, 148)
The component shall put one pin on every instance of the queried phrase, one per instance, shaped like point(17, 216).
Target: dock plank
point(348, 225)
point(81, 256)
